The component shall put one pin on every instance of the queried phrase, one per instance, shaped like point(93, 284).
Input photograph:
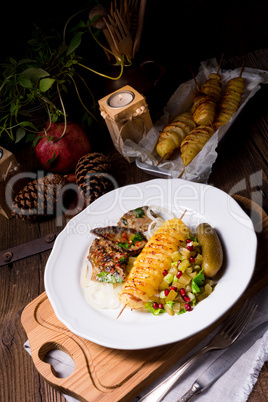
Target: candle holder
point(8, 167)
point(126, 116)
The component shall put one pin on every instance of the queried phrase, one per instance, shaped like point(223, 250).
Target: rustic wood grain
point(102, 373)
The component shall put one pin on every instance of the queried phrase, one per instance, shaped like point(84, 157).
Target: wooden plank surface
point(242, 159)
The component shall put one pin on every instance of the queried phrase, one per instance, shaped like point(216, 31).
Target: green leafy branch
point(41, 78)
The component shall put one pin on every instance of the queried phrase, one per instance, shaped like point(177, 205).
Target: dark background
point(177, 34)
point(174, 31)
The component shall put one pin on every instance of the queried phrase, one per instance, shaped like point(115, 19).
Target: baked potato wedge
point(173, 134)
point(206, 99)
point(147, 272)
point(194, 142)
point(230, 101)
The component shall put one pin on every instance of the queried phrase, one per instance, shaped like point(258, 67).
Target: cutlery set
point(225, 338)
point(224, 362)
point(124, 25)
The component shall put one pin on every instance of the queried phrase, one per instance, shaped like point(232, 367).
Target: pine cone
point(38, 198)
point(92, 176)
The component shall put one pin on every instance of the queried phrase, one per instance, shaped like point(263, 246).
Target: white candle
point(120, 99)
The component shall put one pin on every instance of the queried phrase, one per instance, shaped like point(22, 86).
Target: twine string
point(13, 167)
point(130, 117)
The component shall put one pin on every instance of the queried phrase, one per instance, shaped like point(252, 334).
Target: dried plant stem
point(68, 21)
point(82, 103)
point(64, 111)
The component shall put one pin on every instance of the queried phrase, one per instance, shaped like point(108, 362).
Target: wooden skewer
point(243, 65)
point(121, 311)
point(181, 173)
point(161, 159)
point(183, 214)
point(220, 63)
point(196, 84)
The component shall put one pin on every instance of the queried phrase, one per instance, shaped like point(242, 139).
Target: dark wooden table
point(240, 168)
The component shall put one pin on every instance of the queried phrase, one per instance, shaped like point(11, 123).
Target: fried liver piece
point(136, 219)
point(122, 239)
point(109, 253)
point(107, 260)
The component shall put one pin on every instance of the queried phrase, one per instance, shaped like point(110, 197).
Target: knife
point(224, 362)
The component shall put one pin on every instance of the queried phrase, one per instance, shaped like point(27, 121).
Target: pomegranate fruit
point(61, 154)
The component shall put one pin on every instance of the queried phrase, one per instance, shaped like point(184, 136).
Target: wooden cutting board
point(104, 374)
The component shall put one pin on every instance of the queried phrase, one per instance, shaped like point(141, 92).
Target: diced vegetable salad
point(184, 284)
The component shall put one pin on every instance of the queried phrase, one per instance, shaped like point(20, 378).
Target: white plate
point(138, 330)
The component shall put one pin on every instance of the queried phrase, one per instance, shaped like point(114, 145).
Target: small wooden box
point(132, 121)
point(8, 166)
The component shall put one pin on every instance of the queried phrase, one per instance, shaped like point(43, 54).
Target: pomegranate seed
point(187, 299)
point(190, 248)
point(192, 259)
point(182, 292)
point(173, 288)
point(179, 274)
point(155, 305)
point(166, 292)
point(160, 305)
point(188, 307)
point(165, 272)
point(178, 263)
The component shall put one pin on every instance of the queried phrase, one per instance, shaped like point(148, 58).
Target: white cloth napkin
point(234, 386)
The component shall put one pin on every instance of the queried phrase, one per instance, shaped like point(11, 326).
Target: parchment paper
point(200, 168)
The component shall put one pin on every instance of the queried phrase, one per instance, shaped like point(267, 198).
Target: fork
point(120, 34)
point(226, 336)
point(123, 9)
